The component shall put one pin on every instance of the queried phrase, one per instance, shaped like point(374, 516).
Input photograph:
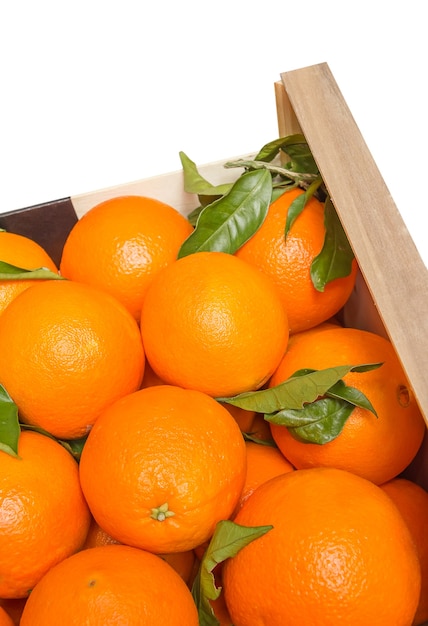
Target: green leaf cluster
point(313, 404)
point(231, 213)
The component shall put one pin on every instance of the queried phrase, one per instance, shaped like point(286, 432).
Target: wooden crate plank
point(389, 260)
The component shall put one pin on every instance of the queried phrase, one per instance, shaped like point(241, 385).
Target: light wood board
point(393, 270)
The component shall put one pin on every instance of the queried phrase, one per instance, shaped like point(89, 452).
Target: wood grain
point(390, 264)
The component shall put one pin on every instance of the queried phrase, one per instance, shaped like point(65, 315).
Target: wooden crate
point(391, 295)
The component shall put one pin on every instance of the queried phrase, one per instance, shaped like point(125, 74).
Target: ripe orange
point(183, 563)
point(111, 585)
point(260, 430)
point(13, 607)
point(263, 462)
point(25, 253)
point(412, 502)
point(242, 417)
point(121, 243)
point(339, 552)
point(150, 377)
point(5, 618)
point(97, 536)
point(43, 515)
point(161, 467)
point(220, 611)
point(288, 262)
point(214, 323)
point(67, 351)
point(377, 448)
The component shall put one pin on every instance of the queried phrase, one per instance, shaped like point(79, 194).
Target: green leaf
point(294, 392)
point(271, 149)
point(301, 157)
point(335, 259)
point(318, 422)
point(299, 203)
point(313, 404)
point(275, 170)
point(296, 148)
point(294, 210)
point(351, 395)
point(74, 446)
point(194, 215)
point(260, 442)
point(12, 272)
point(9, 424)
point(228, 539)
point(226, 224)
point(196, 184)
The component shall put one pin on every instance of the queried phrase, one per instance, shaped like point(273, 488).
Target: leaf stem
point(275, 169)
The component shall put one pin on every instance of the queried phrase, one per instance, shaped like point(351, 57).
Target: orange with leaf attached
point(287, 260)
point(377, 448)
point(25, 253)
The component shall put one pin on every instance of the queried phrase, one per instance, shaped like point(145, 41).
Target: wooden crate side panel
point(389, 261)
point(168, 188)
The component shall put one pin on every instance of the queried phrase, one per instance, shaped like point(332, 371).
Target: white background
point(95, 94)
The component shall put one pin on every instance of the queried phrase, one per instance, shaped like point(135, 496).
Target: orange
point(339, 552)
point(288, 262)
point(220, 611)
point(13, 607)
point(97, 536)
point(260, 430)
point(43, 515)
point(67, 351)
point(263, 462)
point(377, 448)
point(25, 253)
point(121, 243)
point(243, 418)
point(183, 563)
point(5, 618)
point(412, 502)
point(214, 323)
point(161, 467)
point(111, 585)
point(150, 378)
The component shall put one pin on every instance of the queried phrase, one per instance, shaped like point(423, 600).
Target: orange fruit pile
point(130, 457)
